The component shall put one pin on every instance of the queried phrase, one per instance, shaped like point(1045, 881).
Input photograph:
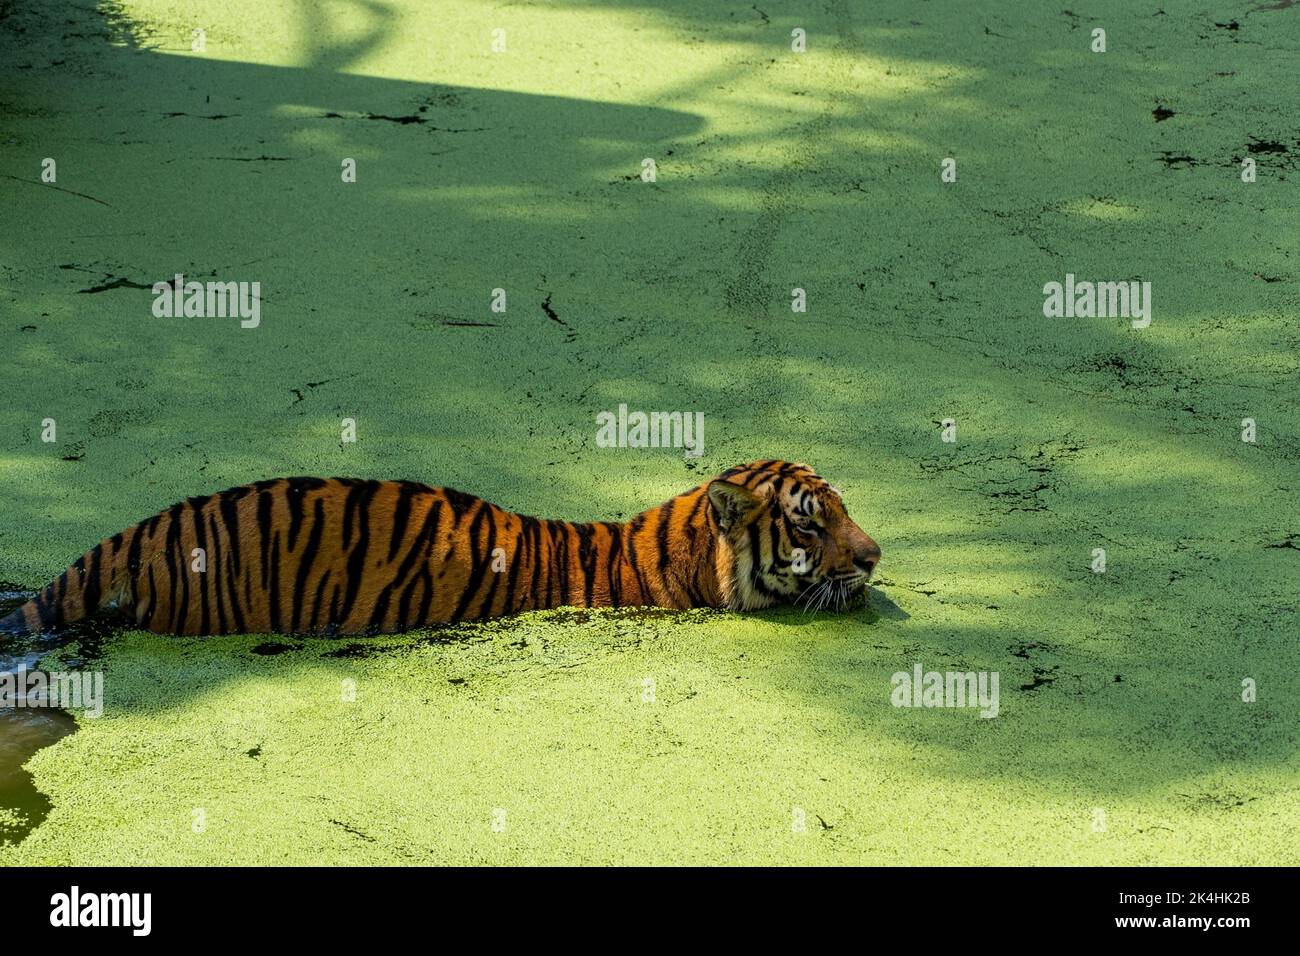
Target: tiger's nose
point(867, 555)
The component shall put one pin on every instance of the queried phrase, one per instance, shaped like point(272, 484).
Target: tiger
point(345, 556)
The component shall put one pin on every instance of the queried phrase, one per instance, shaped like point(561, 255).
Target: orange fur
point(342, 556)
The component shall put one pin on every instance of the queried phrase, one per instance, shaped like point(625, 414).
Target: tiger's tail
point(98, 579)
point(15, 624)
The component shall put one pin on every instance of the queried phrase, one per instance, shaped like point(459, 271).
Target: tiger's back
point(291, 555)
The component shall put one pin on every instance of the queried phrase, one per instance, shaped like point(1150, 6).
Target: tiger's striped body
point(344, 556)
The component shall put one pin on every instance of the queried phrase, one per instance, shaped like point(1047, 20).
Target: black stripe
point(356, 565)
point(562, 559)
point(427, 598)
point(700, 501)
point(427, 533)
point(61, 592)
point(296, 495)
point(404, 603)
point(177, 577)
point(614, 570)
point(356, 493)
point(333, 623)
point(45, 606)
point(264, 505)
point(661, 532)
point(485, 609)
point(401, 515)
point(379, 610)
point(90, 589)
point(306, 560)
point(293, 497)
point(478, 565)
point(529, 552)
point(146, 619)
point(77, 577)
point(508, 606)
point(133, 552)
point(215, 564)
point(386, 595)
point(232, 581)
point(459, 503)
point(775, 536)
point(543, 557)
point(201, 540)
point(755, 551)
point(319, 602)
point(645, 596)
point(273, 588)
point(586, 560)
point(230, 519)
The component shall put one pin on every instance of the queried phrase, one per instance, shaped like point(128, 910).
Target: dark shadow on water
point(883, 607)
point(870, 608)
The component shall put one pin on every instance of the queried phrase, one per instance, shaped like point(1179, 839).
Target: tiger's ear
point(731, 502)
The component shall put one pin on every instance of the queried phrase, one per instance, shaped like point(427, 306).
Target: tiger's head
point(784, 536)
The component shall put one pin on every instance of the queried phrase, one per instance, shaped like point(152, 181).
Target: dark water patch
point(214, 116)
point(354, 650)
point(270, 648)
point(1024, 649)
point(1042, 677)
point(1272, 153)
point(121, 282)
point(406, 642)
point(24, 731)
point(1260, 146)
point(656, 614)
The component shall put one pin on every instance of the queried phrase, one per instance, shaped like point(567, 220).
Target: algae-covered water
point(1148, 709)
